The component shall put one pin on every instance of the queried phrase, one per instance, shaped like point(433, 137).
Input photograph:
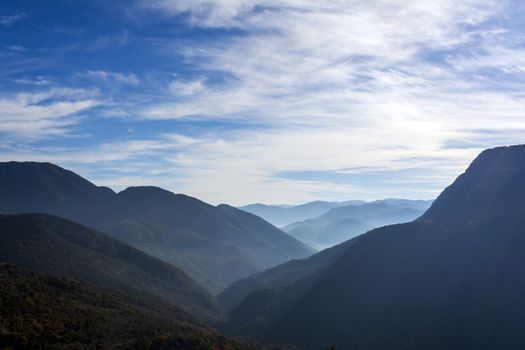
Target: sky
point(272, 101)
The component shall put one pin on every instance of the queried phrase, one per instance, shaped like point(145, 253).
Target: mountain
point(46, 188)
point(282, 275)
point(215, 245)
point(282, 215)
point(342, 223)
point(41, 311)
point(453, 279)
point(336, 223)
point(49, 244)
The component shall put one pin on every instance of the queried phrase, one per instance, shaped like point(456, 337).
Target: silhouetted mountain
point(492, 185)
point(451, 280)
point(214, 245)
point(46, 188)
point(43, 311)
point(282, 215)
point(342, 223)
point(46, 243)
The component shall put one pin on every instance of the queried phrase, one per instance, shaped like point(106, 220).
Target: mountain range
point(344, 222)
point(336, 225)
point(452, 279)
point(215, 245)
point(282, 215)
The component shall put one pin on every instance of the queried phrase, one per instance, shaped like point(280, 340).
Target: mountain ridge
point(200, 238)
point(49, 244)
point(344, 222)
point(450, 280)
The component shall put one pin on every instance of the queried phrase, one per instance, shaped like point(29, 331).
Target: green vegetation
point(41, 311)
point(49, 244)
point(215, 245)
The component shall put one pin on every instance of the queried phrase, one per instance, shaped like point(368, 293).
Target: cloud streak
point(348, 83)
point(111, 77)
point(11, 19)
point(36, 115)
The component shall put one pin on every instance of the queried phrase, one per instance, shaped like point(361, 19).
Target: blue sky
point(262, 101)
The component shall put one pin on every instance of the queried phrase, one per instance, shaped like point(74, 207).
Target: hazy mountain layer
point(215, 245)
point(284, 215)
point(287, 273)
point(451, 280)
point(342, 223)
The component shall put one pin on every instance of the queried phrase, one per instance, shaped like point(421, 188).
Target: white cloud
point(111, 77)
point(36, 81)
point(40, 114)
point(393, 89)
point(11, 19)
point(17, 48)
point(184, 88)
point(343, 84)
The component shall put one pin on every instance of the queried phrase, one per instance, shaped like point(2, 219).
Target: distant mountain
point(42, 311)
point(215, 245)
point(337, 223)
point(342, 223)
point(452, 279)
point(286, 214)
point(49, 244)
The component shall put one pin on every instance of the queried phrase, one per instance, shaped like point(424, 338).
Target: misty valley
point(262, 175)
point(83, 266)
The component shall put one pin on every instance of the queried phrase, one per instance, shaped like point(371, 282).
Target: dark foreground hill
point(215, 245)
point(453, 279)
point(42, 311)
point(45, 243)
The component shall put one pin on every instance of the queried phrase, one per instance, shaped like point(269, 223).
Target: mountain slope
point(210, 243)
point(50, 244)
point(44, 187)
point(284, 215)
point(42, 311)
point(282, 275)
point(450, 280)
point(216, 245)
point(345, 222)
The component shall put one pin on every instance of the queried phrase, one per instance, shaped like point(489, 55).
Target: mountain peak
point(144, 190)
point(493, 183)
point(51, 188)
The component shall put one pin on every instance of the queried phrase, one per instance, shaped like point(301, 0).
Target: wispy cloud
point(111, 77)
point(184, 88)
point(8, 20)
point(35, 81)
point(342, 84)
point(46, 113)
